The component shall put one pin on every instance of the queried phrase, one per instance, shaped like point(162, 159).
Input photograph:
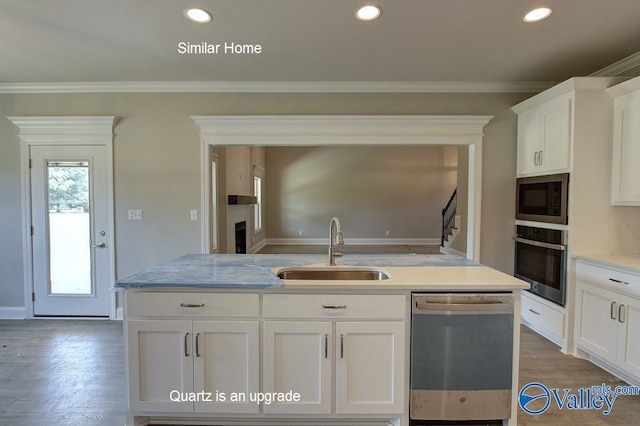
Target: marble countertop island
point(406, 271)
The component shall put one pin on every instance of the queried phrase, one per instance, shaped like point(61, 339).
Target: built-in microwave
point(543, 198)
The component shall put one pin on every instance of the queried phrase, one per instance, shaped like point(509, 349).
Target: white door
point(70, 230)
point(297, 358)
point(629, 336)
point(160, 355)
point(227, 360)
point(598, 326)
point(370, 368)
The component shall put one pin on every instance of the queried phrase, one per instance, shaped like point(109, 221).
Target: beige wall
point(157, 168)
point(372, 190)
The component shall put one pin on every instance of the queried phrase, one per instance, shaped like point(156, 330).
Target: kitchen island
point(220, 338)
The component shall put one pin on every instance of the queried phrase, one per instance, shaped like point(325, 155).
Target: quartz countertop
point(406, 271)
point(628, 262)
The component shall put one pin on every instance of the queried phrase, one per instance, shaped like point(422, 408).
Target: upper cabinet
point(544, 137)
point(625, 172)
point(553, 123)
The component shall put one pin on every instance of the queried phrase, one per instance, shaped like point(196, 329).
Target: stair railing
point(449, 217)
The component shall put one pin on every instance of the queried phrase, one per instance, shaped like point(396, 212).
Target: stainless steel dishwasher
point(461, 356)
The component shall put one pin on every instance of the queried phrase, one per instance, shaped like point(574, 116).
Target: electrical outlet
point(300, 233)
point(194, 215)
point(387, 233)
point(135, 214)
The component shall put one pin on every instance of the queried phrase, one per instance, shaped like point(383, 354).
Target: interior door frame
point(311, 130)
point(63, 131)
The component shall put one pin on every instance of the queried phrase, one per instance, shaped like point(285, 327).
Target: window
point(257, 192)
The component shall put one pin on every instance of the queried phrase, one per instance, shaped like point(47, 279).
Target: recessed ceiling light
point(200, 16)
point(368, 13)
point(537, 14)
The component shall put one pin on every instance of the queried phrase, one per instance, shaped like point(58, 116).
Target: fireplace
point(241, 237)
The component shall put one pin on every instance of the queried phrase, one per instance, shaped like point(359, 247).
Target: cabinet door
point(598, 321)
point(556, 142)
point(226, 361)
point(297, 358)
point(160, 365)
point(629, 335)
point(370, 368)
point(625, 178)
point(528, 141)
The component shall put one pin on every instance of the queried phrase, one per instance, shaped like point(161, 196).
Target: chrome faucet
point(336, 246)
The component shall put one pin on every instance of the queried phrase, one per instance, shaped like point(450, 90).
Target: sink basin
point(332, 273)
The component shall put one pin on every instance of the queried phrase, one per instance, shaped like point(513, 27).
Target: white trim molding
point(278, 87)
point(620, 67)
point(69, 131)
point(13, 313)
point(356, 241)
point(287, 130)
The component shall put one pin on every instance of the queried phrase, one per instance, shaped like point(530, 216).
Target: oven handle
point(540, 244)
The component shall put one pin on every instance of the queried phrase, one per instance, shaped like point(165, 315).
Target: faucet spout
point(336, 245)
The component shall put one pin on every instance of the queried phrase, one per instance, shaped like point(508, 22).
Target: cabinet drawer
point(229, 305)
point(609, 278)
point(334, 306)
point(543, 316)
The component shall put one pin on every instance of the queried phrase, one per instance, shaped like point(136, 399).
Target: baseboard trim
point(257, 247)
point(449, 250)
point(356, 241)
point(13, 312)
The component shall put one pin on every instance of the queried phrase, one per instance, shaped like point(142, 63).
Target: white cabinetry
point(355, 343)
point(544, 317)
point(625, 176)
point(544, 137)
point(608, 318)
point(178, 365)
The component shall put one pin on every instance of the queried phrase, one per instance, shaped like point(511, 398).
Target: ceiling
point(313, 40)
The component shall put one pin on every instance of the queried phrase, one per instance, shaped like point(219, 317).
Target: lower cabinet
point(608, 322)
point(368, 359)
point(183, 365)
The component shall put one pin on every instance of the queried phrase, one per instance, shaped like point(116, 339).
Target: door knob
point(101, 245)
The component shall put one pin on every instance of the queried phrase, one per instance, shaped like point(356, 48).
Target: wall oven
point(543, 198)
point(541, 260)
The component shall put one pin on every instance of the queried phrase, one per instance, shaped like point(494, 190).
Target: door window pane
point(69, 228)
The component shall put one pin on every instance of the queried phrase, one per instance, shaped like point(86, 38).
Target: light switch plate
point(135, 214)
point(194, 214)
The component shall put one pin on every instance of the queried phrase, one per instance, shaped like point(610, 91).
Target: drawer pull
point(534, 312)
point(186, 344)
point(612, 310)
point(619, 281)
point(622, 311)
point(192, 305)
point(334, 306)
point(342, 346)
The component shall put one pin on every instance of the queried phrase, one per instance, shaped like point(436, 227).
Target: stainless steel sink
point(332, 274)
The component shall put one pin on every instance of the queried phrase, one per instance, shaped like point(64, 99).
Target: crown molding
point(64, 125)
point(277, 87)
point(620, 67)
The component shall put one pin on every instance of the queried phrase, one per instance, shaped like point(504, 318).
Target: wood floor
point(71, 373)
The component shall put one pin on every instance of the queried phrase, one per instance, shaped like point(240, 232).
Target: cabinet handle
point(186, 344)
point(326, 346)
point(197, 345)
point(619, 281)
point(192, 305)
point(622, 312)
point(334, 306)
point(612, 310)
point(534, 312)
point(535, 158)
point(342, 346)
point(540, 159)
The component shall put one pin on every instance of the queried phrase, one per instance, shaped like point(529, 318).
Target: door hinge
point(33, 296)
point(32, 231)
point(29, 162)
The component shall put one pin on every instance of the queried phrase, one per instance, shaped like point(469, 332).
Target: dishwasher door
point(461, 356)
